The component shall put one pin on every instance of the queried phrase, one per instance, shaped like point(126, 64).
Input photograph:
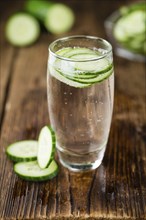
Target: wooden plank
point(116, 190)
point(8, 54)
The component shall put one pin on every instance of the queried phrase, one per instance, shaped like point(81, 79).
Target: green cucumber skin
point(38, 179)
point(54, 146)
point(38, 8)
point(20, 159)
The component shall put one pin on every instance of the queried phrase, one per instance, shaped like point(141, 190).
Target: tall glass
point(80, 88)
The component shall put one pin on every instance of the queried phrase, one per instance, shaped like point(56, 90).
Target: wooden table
point(116, 190)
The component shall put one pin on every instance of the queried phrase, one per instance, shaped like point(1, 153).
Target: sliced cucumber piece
point(60, 76)
point(46, 147)
point(59, 19)
point(98, 66)
point(23, 150)
point(22, 29)
point(80, 51)
point(98, 78)
point(80, 72)
point(32, 172)
point(63, 51)
point(130, 25)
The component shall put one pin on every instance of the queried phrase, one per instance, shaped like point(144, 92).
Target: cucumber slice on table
point(22, 29)
point(59, 19)
point(32, 172)
point(23, 151)
point(46, 147)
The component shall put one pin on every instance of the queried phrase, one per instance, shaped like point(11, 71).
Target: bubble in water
point(101, 103)
point(70, 115)
point(65, 103)
point(82, 135)
point(70, 93)
point(65, 93)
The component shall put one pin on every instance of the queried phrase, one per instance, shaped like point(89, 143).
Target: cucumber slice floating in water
point(32, 172)
point(79, 51)
point(98, 78)
point(23, 150)
point(85, 68)
point(22, 29)
point(46, 147)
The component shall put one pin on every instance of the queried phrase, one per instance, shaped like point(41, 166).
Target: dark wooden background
point(116, 190)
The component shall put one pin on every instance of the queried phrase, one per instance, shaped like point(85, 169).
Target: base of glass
point(81, 162)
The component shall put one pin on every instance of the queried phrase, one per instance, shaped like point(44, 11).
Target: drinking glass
point(80, 91)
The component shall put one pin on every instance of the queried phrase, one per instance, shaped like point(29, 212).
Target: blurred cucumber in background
point(23, 28)
point(130, 28)
point(56, 17)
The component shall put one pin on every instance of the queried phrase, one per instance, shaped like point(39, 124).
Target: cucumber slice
point(63, 51)
point(59, 19)
point(46, 147)
point(80, 51)
point(130, 26)
point(60, 76)
point(98, 78)
point(23, 151)
point(22, 29)
point(78, 73)
point(32, 172)
point(99, 66)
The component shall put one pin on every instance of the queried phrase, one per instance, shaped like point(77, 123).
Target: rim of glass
point(109, 48)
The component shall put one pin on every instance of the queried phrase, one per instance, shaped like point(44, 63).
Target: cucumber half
point(23, 150)
point(46, 147)
point(22, 29)
point(32, 172)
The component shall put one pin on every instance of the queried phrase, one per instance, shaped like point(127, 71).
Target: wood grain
point(117, 189)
